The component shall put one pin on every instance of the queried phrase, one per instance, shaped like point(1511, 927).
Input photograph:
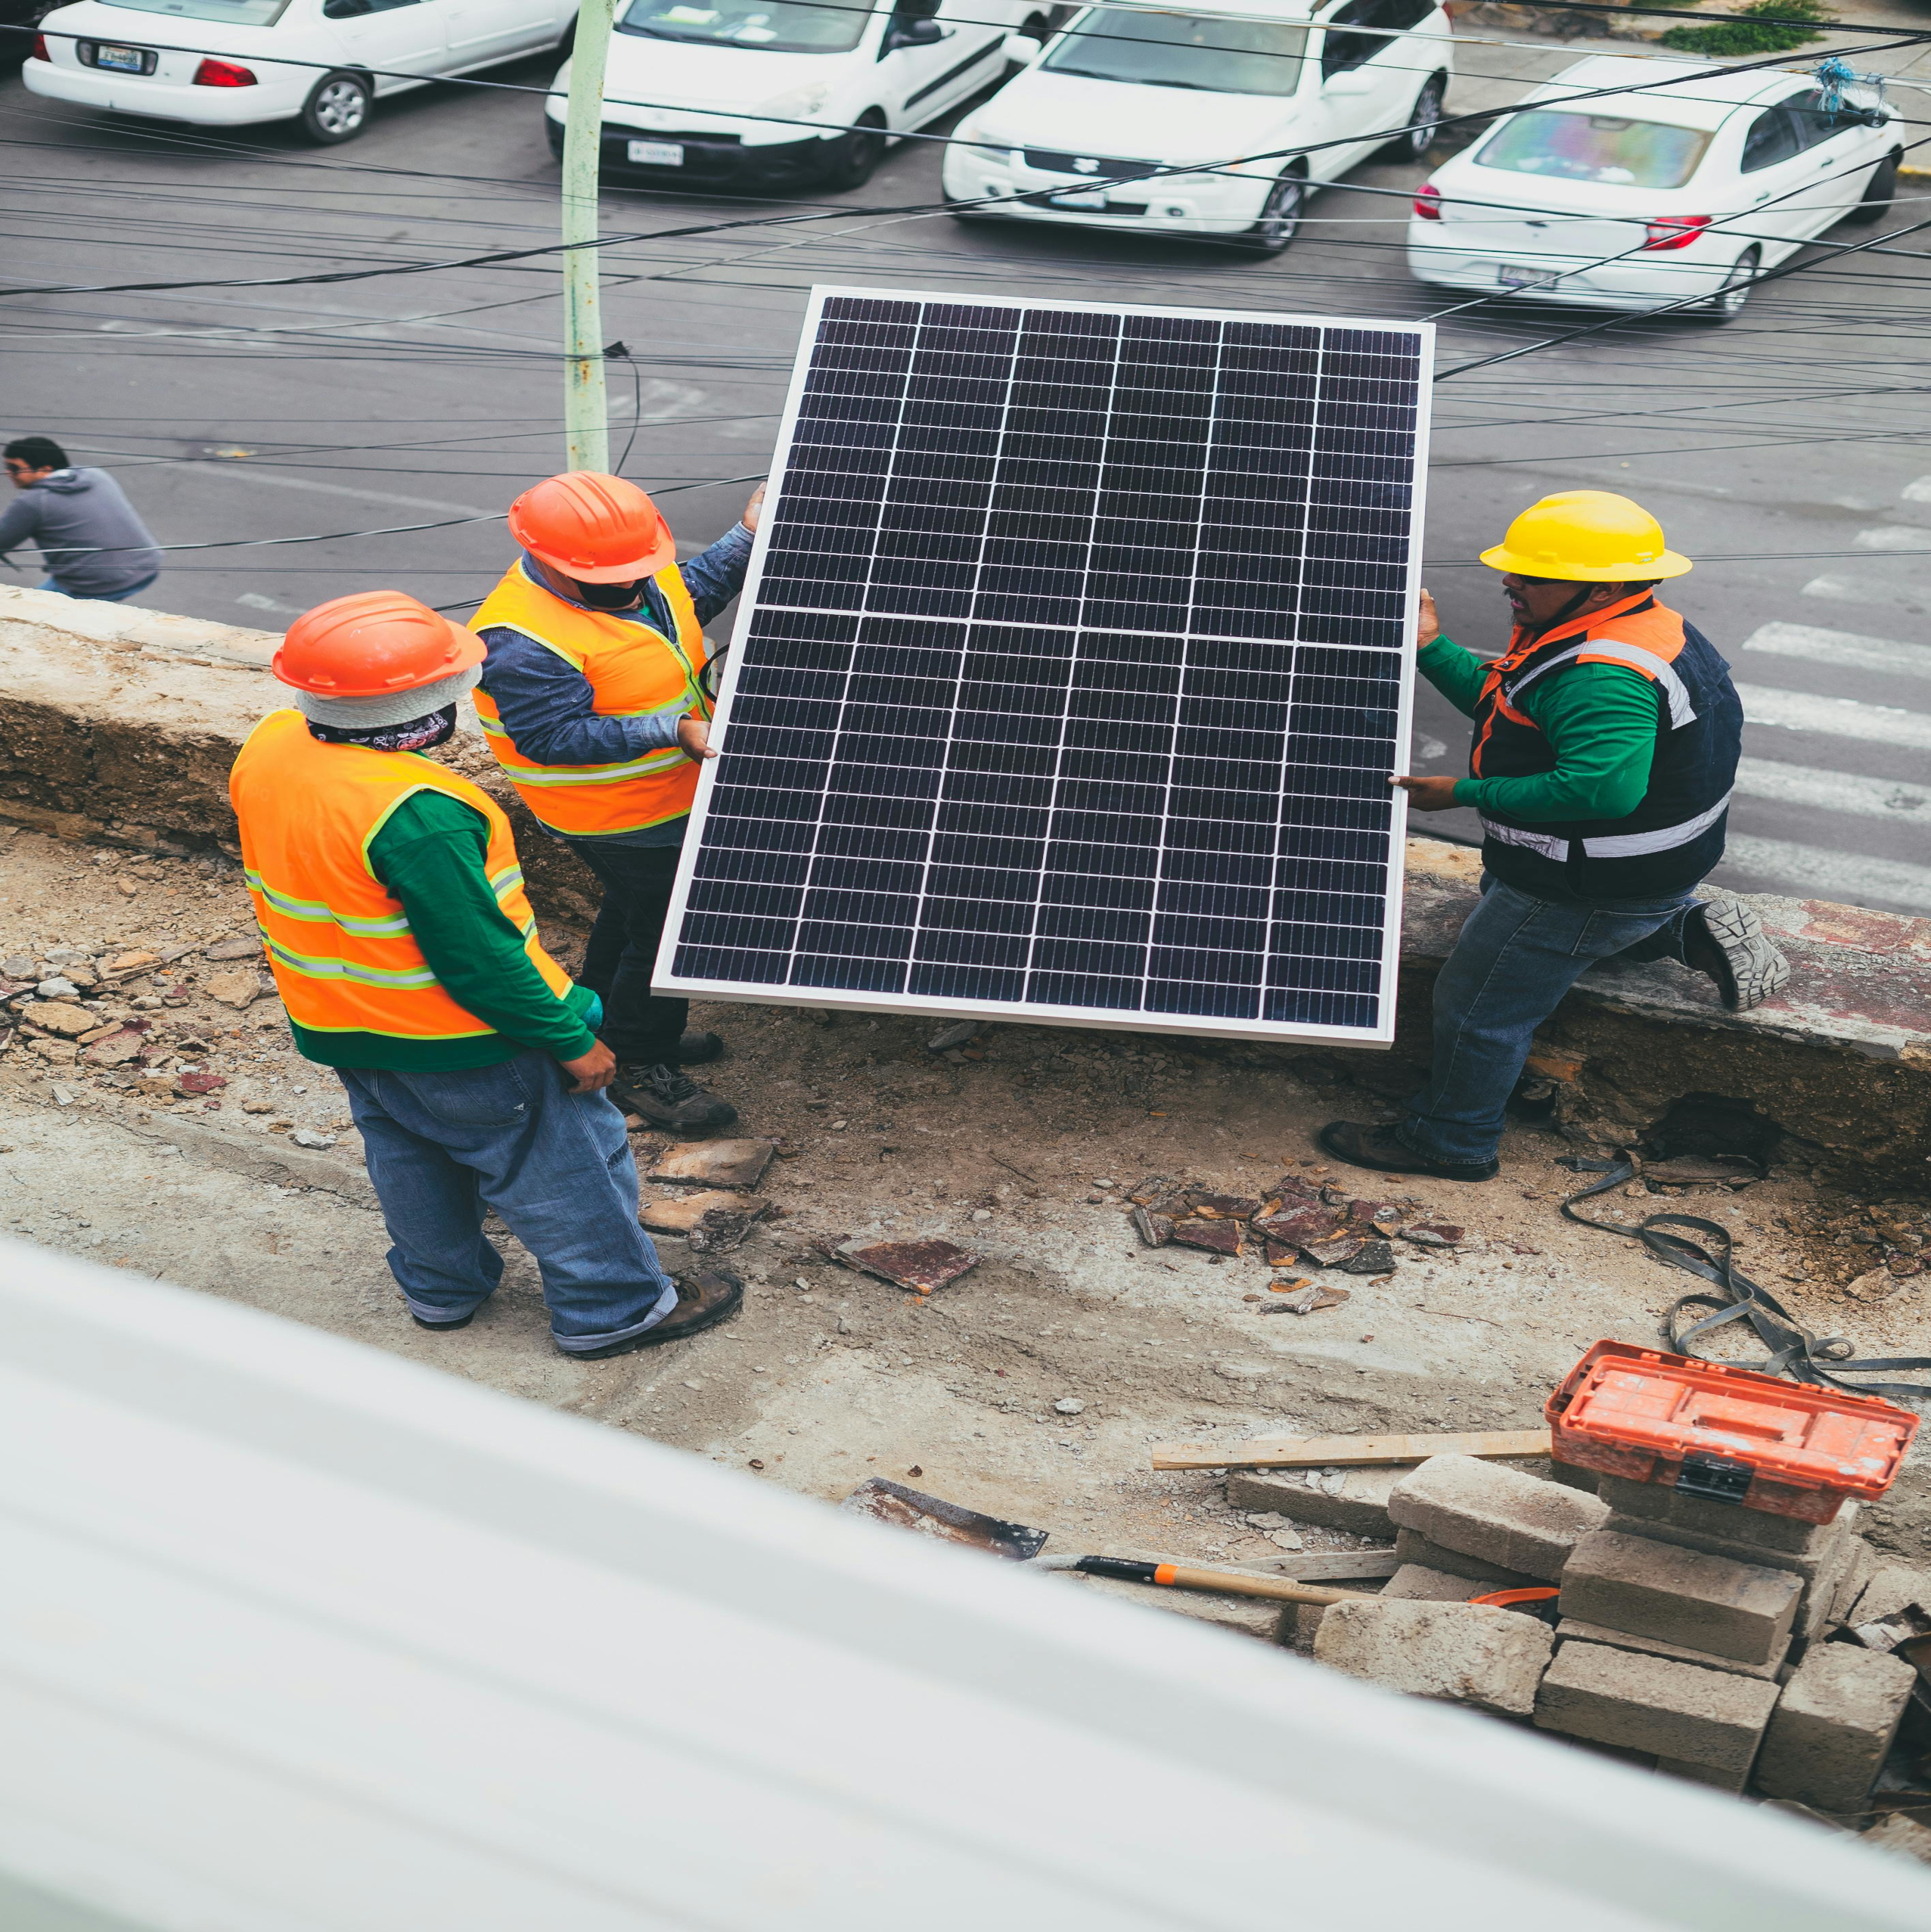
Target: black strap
point(1794, 1350)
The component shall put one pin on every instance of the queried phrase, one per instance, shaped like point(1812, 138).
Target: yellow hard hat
point(1586, 536)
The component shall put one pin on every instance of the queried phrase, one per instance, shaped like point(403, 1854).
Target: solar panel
point(1071, 672)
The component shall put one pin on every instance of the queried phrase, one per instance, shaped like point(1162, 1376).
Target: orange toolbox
point(1724, 1434)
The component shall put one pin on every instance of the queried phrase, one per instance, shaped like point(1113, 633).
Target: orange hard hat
point(596, 529)
point(373, 645)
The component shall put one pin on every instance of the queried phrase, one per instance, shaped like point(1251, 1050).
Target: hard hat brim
point(1665, 564)
point(660, 559)
point(469, 649)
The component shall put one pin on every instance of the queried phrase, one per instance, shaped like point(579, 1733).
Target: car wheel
point(1881, 192)
point(1413, 142)
point(1281, 214)
point(1727, 304)
point(337, 108)
point(855, 154)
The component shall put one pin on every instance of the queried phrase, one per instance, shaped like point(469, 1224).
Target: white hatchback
point(769, 93)
point(231, 63)
point(1217, 124)
point(1638, 199)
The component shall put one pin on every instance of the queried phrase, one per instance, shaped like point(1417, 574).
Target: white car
point(1176, 123)
point(766, 93)
point(232, 62)
point(1633, 201)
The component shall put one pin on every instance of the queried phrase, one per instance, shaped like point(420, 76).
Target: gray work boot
point(666, 1098)
point(1723, 938)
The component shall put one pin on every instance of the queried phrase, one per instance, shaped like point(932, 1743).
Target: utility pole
point(586, 411)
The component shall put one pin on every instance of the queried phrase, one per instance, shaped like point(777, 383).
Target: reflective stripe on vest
point(340, 946)
point(1632, 657)
point(1621, 845)
point(634, 671)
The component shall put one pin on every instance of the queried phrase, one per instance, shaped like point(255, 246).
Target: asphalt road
point(1785, 450)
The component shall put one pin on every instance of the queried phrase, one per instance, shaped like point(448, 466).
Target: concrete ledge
point(118, 725)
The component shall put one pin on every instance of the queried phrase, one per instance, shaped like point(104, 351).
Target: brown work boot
point(705, 1297)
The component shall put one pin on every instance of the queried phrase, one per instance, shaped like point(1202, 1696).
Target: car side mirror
point(1022, 50)
point(1349, 81)
point(918, 31)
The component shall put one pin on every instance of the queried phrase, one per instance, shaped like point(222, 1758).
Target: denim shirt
point(549, 709)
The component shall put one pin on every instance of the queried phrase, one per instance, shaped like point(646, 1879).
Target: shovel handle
point(1180, 1575)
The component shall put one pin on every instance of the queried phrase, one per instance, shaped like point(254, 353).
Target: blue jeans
point(1516, 958)
point(556, 1165)
point(103, 596)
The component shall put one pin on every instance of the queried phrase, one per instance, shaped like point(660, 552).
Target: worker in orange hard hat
point(593, 699)
point(1606, 738)
point(388, 893)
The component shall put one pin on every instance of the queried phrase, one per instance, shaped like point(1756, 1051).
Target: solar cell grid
point(1071, 672)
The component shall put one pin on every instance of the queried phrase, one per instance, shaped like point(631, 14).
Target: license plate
point(1511, 277)
point(123, 60)
point(1089, 198)
point(656, 153)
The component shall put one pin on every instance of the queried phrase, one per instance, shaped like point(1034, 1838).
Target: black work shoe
point(1383, 1150)
point(705, 1297)
point(1724, 939)
point(442, 1327)
point(695, 1048)
point(667, 1099)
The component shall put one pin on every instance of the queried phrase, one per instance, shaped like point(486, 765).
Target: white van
point(767, 93)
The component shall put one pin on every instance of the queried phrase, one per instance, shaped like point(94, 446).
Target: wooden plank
point(1318, 1452)
point(1336, 1566)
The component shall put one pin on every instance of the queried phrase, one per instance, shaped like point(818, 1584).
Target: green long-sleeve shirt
point(430, 853)
point(1601, 720)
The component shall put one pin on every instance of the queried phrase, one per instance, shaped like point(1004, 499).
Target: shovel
point(932, 1516)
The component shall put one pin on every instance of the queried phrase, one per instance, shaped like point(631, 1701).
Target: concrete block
point(1822, 1591)
point(1711, 1718)
point(1458, 1653)
point(1891, 1586)
point(1832, 1726)
point(1706, 1603)
point(1829, 1554)
point(1621, 1640)
point(1411, 1546)
point(1862, 1567)
point(1500, 1515)
point(1903, 1836)
point(1356, 1500)
point(1730, 1780)
point(1573, 1478)
point(1655, 1503)
point(1414, 1582)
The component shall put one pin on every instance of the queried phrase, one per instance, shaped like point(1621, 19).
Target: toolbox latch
point(1714, 1478)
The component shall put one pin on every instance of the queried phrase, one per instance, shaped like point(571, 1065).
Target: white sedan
point(1215, 124)
point(1637, 199)
point(231, 63)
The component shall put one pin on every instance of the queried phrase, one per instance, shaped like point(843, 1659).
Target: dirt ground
point(1021, 1147)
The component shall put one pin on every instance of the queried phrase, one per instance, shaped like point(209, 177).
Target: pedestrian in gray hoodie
point(89, 538)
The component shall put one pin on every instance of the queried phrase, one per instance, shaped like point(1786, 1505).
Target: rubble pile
point(1733, 1648)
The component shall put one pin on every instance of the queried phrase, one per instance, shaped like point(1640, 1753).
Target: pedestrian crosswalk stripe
point(1833, 875)
point(1837, 717)
point(1842, 647)
point(1894, 536)
point(1919, 491)
point(1863, 590)
point(1833, 791)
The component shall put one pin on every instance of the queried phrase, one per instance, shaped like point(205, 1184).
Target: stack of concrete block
point(1458, 1653)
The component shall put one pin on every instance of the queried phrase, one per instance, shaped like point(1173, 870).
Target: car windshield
point(1598, 148)
point(1183, 50)
point(231, 13)
point(772, 27)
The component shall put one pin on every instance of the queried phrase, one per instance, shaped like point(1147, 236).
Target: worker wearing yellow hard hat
point(1606, 742)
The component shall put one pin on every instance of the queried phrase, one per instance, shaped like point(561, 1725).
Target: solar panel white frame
point(667, 980)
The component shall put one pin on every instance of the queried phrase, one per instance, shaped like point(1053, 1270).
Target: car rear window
point(772, 26)
point(1183, 50)
point(1598, 148)
point(231, 13)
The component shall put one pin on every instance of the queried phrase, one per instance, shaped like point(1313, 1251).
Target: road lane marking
point(1842, 647)
point(1919, 491)
point(1833, 791)
point(1861, 590)
point(247, 473)
point(1836, 717)
point(1894, 536)
point(1837, 876)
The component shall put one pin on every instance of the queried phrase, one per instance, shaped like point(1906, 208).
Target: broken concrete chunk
point(1376, 1257)
point(239, 947)
point(116, 1049)
point(1507, 1519)
point(1459, 1653)
point(948, 1037)
point(715, 1164)
point(308, 1137)
point(137, 961)
point(1334, 1254)
point(1681, 1596)
point(1892, 1587)
point(57, 988)
point(1710, 1718)
point(1296, 1226)
point(1415, 1582)
point(921, 1266)
point(679, 1214)
point(1432, 1234)
point(1068, 1406)
point(1154, 1230)
point(1309, 1300)
point(1355, 1501)
point(1833, 1726)
point(1225, 1207)
point(55, 1016)
point(236, 989)
point(1221, 1237)
point(193, 1085)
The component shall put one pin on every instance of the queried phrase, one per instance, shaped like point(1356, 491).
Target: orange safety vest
point(339, 943)
point(636, 671)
